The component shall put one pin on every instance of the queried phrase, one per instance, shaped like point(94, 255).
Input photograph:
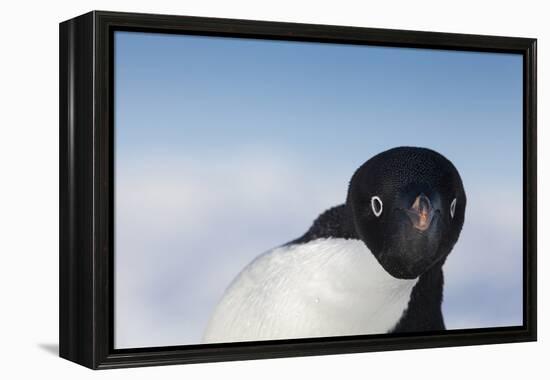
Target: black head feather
point(415, 224)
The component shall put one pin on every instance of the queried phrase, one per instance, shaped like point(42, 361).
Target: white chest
point(326, 287)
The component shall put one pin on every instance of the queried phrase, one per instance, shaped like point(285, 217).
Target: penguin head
point(407, 206)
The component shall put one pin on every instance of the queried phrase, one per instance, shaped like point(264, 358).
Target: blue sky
point(228, 147)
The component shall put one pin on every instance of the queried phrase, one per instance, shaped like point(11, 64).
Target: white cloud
point(483, 274)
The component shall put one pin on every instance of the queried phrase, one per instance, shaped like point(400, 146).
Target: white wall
point(29, 189)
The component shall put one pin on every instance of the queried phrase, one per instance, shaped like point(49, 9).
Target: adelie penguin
point(372, 265)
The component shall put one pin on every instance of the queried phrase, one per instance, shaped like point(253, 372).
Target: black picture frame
point(86, 189)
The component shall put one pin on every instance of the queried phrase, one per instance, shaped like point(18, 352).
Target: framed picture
point(235, 189)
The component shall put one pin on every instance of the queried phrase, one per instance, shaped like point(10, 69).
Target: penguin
point(372, 265)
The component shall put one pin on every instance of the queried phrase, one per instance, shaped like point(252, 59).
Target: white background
point(29, 187)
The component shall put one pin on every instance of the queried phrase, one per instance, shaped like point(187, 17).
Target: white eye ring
point(376, 205)
point(453, 208)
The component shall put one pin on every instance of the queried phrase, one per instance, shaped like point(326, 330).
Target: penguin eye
point(453, 208)
point(376, 205)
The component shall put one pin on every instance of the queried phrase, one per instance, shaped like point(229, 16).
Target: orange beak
point(421, 212)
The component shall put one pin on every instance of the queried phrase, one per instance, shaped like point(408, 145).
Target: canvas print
point(270, 190)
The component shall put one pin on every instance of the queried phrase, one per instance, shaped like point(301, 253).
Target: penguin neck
point(424, 309)
point(335, 222)
point(347, 224)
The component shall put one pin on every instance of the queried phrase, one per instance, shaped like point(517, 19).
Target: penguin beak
point(421, 213)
